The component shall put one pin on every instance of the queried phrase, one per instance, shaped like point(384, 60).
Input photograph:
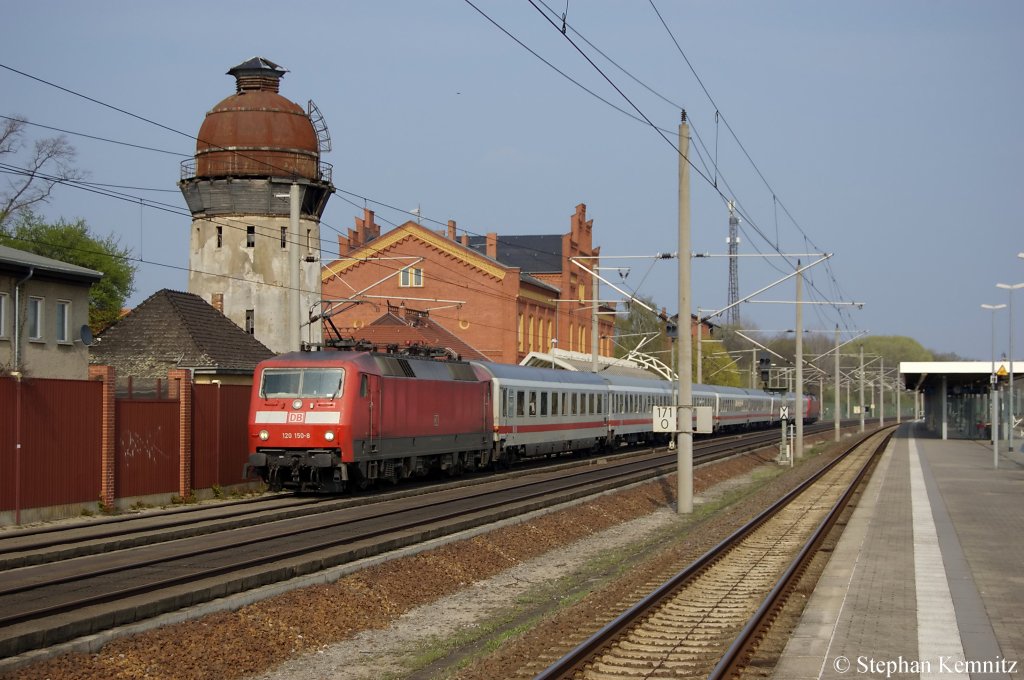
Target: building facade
point(503, 296)
point(257, 189)
point(44, 316)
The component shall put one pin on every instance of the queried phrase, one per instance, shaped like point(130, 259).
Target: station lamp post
point(994, 420)
point(1010, 288)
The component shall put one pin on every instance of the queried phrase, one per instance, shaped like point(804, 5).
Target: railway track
point(39, 545)
point(704, 621)
point(123, 574)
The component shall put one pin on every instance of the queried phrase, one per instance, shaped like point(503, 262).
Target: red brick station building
point(502, 297)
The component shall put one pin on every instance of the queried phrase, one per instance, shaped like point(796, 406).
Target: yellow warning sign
point(1002, 371)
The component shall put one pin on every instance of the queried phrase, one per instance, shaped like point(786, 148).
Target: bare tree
point(32, 169)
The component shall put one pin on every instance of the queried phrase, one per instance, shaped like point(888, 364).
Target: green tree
point(639, 325)
point(718, 366)
point(72, 242)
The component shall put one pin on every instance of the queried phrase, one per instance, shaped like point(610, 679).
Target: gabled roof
point(416, 231)
point(532, 253)
point(22, 261)
point(171, 329)
point(416, 328)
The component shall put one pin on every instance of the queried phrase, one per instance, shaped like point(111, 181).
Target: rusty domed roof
point(256, 131)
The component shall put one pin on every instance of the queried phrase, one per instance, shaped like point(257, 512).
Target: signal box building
point(503, 296)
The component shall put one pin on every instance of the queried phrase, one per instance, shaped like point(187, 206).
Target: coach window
point(574, 398)
point(504, 403)
point(590, 403)
point(520, 403)
point(533, 403)
point(565, 404)
point(511, 403)
point(543, 403)
point(600, 403)
point(554, 403)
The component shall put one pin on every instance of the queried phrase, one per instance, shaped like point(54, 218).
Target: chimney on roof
point(492, 245)
point(366, 230)
point(464, 240)
point(217, 300)
point(451, 230)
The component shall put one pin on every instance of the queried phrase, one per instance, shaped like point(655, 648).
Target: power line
point(227, 222)
point(234, 151)
point(101, 139)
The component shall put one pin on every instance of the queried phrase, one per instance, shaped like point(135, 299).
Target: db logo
point(297, 417)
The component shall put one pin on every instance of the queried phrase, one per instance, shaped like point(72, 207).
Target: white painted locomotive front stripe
point(299, 417)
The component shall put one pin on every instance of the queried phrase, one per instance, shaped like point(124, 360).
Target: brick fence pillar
point(180, 386)
point(108, 464)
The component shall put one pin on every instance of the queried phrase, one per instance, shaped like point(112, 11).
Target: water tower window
point(220, 237)
point(250, 321)
point(250, 236)
point(284, 237)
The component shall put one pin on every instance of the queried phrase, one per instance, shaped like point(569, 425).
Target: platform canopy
point(921, 375)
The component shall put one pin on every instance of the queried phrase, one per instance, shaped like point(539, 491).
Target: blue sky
point(887, 133)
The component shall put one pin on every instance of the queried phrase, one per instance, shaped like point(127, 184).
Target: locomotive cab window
point(316, 383)
point(364, 385)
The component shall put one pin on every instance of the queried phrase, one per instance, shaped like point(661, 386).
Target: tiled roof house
point(175, 330)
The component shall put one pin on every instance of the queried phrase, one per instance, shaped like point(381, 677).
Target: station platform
point(927, 580)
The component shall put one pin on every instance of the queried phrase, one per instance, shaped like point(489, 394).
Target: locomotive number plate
point(296, 435)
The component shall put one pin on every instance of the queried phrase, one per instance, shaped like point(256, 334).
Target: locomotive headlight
point(297, 404)
point(264, 435)
point(329, 436)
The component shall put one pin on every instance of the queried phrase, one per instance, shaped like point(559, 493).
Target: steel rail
point(85, 539)
point(561, 485)
point(738, 653)
point(582, 653)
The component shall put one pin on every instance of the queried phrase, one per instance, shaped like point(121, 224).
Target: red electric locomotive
point(329, 421)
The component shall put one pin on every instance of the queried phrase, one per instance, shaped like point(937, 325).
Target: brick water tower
point(256, 190)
